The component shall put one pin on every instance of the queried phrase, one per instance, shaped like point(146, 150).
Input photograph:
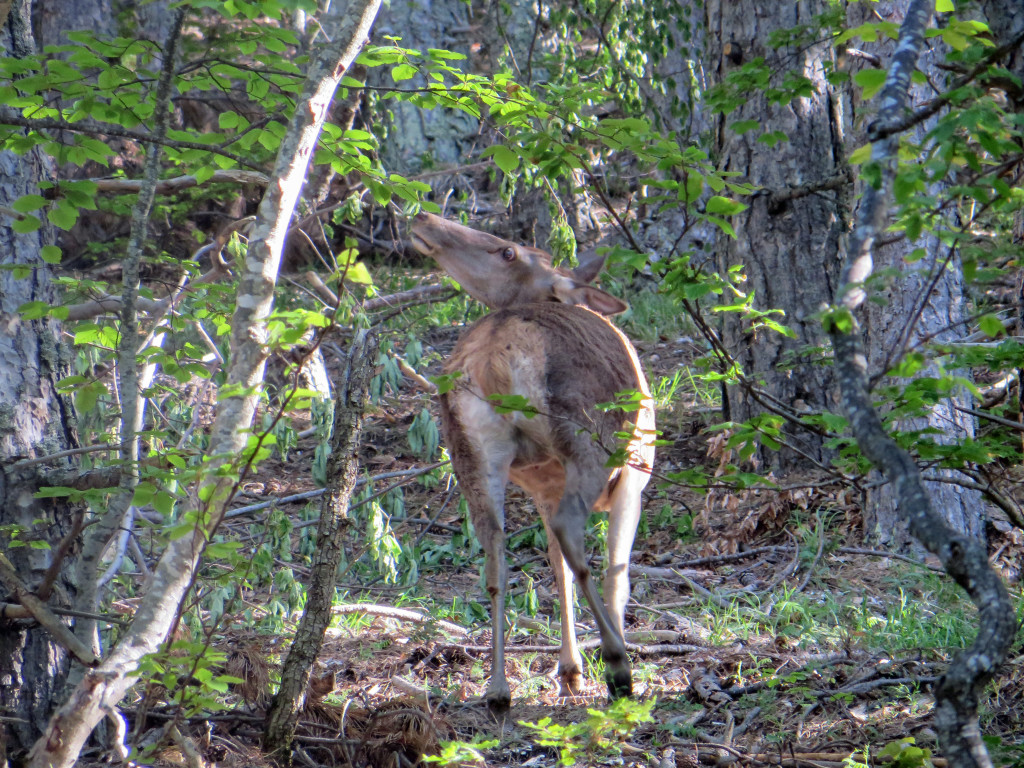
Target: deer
point(547, 341)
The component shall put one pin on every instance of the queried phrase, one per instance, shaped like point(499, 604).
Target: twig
point(19, 611)
point(420, 295)
point(64, 454)
point(42, 613)
point(403, 614)
point(894, 555)
point(59, 553)
point(305, 495)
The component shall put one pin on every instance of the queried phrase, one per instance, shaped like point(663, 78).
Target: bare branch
point(178, 183)
point(41, 613)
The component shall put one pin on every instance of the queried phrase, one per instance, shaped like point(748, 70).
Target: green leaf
point(871, 81)
point(63, 215)
point(358, 273)
point(723, 225)
point(403, 72)
point(504, 157)
point(991, 326)
point(724, 206)
point(26, 224)
point(742, 126)
point(54, 492)
point(28, 203)
point(944, 6)
point(144, 493)
point(34, 310)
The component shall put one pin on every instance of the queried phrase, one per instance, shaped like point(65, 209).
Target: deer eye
point(509, 254)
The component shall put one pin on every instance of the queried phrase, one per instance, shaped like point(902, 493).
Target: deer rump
point(563, 360)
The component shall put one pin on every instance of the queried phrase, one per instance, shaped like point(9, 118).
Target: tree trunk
point(342, 471)
point(788, 247)
point(929, 294)
point(420, 139)
point(35, 421)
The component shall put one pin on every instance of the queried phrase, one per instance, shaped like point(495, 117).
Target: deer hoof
point(620, 684)
point(570, 682)
point(499, 701)
point(499, 704)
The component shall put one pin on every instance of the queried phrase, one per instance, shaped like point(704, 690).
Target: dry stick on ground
point(372, 609)
point(957, 693)
point(350, 403)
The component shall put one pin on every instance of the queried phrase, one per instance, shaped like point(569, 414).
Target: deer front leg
point(499, 695)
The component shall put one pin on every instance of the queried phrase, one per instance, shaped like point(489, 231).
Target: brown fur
point(544, 343)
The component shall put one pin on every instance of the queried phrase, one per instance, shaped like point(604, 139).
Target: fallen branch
point(401, 614)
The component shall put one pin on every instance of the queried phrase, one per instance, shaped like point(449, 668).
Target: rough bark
point(926, 300)
point(417, 138)
point(342, 471)
point(782, 238)
point(958, 691)
point(34, 421)
point(103, 687)
point(53, 19)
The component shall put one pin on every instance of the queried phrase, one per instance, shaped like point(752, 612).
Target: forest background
point(210, 317)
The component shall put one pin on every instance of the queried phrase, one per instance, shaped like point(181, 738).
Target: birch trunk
point(103, 687)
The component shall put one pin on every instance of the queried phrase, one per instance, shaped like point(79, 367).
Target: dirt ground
point(393, 681)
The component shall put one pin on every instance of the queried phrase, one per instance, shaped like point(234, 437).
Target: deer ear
point(568, 291)
point(602, 302)
point(589, 267)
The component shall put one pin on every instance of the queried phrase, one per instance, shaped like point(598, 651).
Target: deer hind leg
point(623, 518)
point(582, 489)
point(482, 467)
point(570, 663)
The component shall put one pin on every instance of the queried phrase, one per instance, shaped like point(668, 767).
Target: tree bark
point(342, 470)
point(34, 421)
point(781, 239)
point(103, 687)
point(418, 139)
point(926, 300)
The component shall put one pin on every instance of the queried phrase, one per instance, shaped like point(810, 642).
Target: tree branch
point(41, 613)
point(70, 726)
point(956, 717)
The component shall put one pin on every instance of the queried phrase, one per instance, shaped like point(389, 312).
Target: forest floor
point(761, 631)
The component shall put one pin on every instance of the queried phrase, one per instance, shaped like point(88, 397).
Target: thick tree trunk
point(53, 19)
point(34, 421)
point(420, 139)
point(929, 294)
point(788, 247)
